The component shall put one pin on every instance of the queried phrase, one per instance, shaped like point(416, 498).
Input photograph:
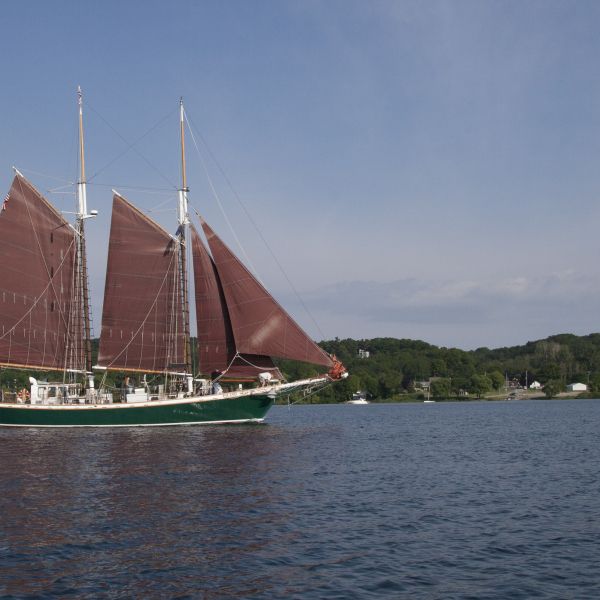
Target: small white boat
point(428, 401)
point(358, 398)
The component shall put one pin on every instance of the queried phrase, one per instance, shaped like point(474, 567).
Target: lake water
point(448, 500)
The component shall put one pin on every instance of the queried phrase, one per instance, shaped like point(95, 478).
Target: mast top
point(184, 187)
point(81, 184)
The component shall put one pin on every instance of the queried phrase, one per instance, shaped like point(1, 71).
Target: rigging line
point(37, 239)
point(61, 179)
point(255, 366)
point(103, 381)
point(131, 146)
point(157, 207)
point(218, 199)
point(45, 330)
point(149, 190)
point(39, 298)
point(309, 394)
point(75, 319)
point(227, 369)
point(61, 187)
point(69, 350)
point(59, 190)
point(172, 317)
point(154, 210)
point(262, 237)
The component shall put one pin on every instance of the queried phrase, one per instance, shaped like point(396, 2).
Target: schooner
point(145, 332)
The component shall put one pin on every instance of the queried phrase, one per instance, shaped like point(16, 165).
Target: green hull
point(223, 410)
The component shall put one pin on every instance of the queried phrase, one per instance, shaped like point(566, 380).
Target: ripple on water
point(473, 500)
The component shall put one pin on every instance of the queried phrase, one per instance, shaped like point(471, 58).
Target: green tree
point(440, 388)
point(550, 371)
point(497, 379)
point(388, 384)
point(595, 383)
point(552, 388)
point(480, 384)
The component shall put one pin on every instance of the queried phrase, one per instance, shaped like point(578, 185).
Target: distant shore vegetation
point(390, 369)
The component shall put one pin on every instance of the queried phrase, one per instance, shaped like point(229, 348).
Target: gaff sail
point(259, 324)
point(216, 343)
point(142, 325)
point(40, 314)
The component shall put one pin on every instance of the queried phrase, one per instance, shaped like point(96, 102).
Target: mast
point(182, 216)
point(82, 214)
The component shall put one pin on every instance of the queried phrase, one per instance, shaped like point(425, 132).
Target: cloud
point(465, 313)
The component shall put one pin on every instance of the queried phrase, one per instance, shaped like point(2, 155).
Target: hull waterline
point(243, 409)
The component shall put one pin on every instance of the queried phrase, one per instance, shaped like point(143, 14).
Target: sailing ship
point(145, 332)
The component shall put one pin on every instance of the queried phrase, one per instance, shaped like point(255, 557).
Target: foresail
point(216, 343)
point(142, 327)
point(260, 325)
point(40, 318)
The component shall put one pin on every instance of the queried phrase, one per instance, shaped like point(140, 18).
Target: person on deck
point(216, 386)
point(264, 378)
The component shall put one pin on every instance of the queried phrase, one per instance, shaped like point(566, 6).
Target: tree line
point(395, 367)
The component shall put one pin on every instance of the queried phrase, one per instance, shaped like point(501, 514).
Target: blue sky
point(421, 169)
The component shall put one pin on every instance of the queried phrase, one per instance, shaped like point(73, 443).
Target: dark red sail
point(260, 325)
point(40, 318)
point(142, 327)
point(216, 343)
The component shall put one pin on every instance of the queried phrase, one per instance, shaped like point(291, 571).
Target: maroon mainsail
point(260, 326)
point(40, 317)
point(216, 344)
point(142, 328)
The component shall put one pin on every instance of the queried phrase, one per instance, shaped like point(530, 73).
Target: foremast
point(183, 220)
point(81, 273)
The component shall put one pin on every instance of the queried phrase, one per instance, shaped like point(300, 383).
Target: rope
point(144, 189)
point(218, 199)
point(227, 369)
point(248, 214)
point(174, 316)
point(310, 394)
point(49, 284)
point(61, 179)
point(131, 146)
point(238, 355)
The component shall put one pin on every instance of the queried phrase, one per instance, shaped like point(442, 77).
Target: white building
point(536, 385)
point(363, 353)
point(577, 387)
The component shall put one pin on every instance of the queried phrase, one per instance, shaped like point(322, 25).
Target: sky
point(423, 170)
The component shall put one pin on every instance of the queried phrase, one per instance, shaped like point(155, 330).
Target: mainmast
point(82, 214)
point(183, 219)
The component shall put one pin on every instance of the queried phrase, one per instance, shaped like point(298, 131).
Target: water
point(456, 500)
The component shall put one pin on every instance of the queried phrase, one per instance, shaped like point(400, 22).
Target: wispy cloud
point(465, 313)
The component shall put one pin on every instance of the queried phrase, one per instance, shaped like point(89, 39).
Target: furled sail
point(216, 344)
point(142, 327)
point(260, 325)
point(40, 316)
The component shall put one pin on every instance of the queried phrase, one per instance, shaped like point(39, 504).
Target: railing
point(119, 395)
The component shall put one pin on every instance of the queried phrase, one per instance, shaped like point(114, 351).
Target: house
point(577, 387)
point(363, 353)
point(536, 385)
